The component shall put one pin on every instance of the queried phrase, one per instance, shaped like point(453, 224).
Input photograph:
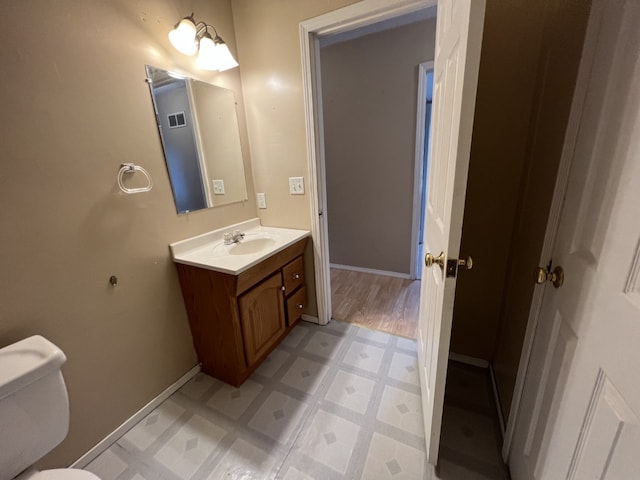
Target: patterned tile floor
point(330, 402)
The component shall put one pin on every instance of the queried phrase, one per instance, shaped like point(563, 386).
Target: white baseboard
point(110, 439)
point(310, 318)
point(494, 385)
point(476, 362)
point(371, 270)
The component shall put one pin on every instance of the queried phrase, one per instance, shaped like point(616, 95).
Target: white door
point(457, 58)
point(580, 411)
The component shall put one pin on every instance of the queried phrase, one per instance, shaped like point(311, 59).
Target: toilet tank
point(34, 406)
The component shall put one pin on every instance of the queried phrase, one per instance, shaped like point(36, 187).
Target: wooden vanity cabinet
point(237, 320)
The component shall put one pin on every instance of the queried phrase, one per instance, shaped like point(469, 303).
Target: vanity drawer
point(293, 274)
point(296, 305)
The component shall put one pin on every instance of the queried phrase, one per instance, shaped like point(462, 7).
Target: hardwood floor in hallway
point(379, 302)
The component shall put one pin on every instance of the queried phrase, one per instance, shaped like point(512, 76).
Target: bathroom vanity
point(241, 299)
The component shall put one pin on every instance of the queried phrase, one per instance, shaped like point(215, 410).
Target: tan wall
point(269, 47)
point(369, 91)
point(530, 54)
point(506, 83)
point(268, 38)
point(75, 105)
point(565, 26)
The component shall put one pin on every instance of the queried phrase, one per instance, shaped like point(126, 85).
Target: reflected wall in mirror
point(198, 128)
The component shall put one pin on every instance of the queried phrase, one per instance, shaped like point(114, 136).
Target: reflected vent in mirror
point(177, 120)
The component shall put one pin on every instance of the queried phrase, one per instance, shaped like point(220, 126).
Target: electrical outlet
point(262, 201)
point(296, 185)
point(218, 187)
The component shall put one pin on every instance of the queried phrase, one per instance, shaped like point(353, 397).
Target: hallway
point(380, 302)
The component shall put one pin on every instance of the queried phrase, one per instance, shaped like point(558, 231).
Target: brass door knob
point(556, 277)
point(466, 262)
point(429, 260)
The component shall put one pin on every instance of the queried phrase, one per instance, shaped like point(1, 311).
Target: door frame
point(421, 110)
point(553, 223)
point(343, 20)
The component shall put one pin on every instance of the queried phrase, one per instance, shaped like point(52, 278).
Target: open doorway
point(374, 92)
point(322, 109)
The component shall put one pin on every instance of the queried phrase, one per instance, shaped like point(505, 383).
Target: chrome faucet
point(233, 237)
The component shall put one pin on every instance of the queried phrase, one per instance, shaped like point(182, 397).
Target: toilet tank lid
point(26, 361)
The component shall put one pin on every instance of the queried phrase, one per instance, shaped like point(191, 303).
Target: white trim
point(310, 318)
point(373, 271)
point(128, 424)
point(553, 222)
point(396, 22)
point(348, 18)
point(496, 397)
point(421, 107)
point(317, 185)
point(476, 362)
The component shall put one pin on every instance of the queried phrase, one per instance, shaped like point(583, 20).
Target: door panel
point(457, 58)
point(611, 433)
point(557, 355)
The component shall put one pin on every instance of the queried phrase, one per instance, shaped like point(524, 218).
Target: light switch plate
point(262, 201)
point(218, 187)
point(296, 185)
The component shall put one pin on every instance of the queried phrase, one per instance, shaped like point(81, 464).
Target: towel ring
point(132, 168)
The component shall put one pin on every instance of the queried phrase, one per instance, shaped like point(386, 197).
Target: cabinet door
point(262, 317)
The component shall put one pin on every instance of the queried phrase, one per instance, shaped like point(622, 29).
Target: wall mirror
point(198, 128)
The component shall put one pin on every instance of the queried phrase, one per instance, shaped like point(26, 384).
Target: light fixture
point(183, 36)
point(189, 37)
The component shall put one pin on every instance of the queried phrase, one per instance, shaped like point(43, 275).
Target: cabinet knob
point(296, 276)
point(282, 288)
point(299, 306)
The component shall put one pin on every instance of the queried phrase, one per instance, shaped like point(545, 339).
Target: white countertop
point(209, 251)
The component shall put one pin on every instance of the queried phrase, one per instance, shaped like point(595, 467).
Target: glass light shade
point(225, 59)
point(208, 58)
point(183, 37)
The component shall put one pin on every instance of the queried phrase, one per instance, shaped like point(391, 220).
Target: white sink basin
point(209, 251)
point(251, 245)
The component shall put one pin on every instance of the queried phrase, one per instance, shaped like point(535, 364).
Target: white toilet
point(34, 410)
